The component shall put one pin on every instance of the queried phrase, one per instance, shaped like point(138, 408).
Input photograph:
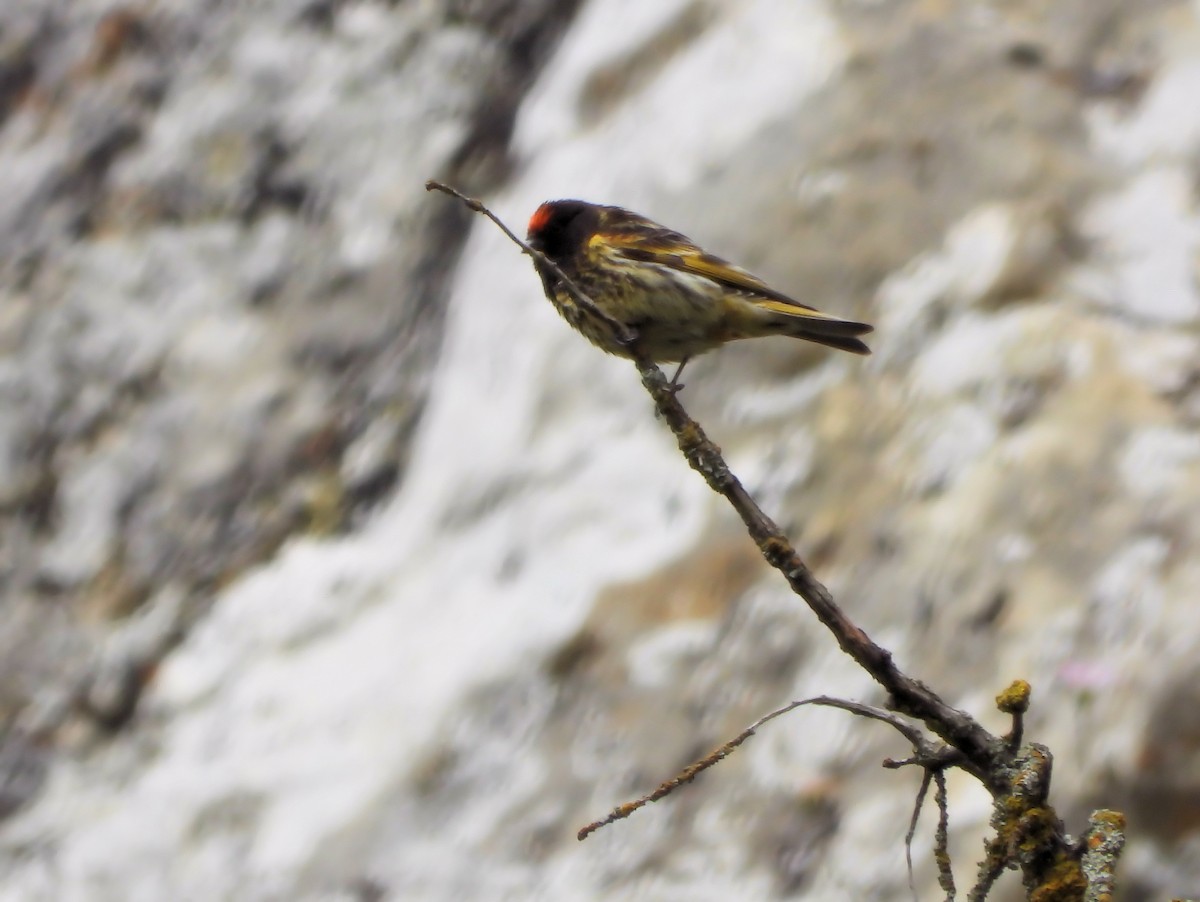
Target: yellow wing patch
point(648, 243)
point(791, 308)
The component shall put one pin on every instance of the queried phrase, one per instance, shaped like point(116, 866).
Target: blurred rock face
point(223, 334)
point(222, 282)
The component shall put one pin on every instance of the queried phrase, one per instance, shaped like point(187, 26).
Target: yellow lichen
point(1014, 699)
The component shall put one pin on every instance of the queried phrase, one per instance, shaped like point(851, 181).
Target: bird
point(676, 299)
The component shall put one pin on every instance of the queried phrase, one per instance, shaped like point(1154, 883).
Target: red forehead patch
point(541, 218)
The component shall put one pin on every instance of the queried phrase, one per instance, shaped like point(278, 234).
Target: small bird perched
point(678, 300)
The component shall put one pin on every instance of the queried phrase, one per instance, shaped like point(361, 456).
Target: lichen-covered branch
point(941, 839)
point(1102, 846)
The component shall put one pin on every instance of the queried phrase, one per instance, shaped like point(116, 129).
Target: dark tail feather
point(833, 333)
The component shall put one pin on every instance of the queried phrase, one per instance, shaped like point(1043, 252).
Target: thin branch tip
point(623, 333)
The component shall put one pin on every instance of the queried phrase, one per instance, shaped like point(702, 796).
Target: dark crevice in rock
point(360, 340)
point(527, 30)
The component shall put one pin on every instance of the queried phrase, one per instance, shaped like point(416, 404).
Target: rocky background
point(336, 567)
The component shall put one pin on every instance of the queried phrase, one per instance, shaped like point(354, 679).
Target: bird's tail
point(813, 325)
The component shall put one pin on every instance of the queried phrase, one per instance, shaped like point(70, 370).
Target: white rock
point(1150, 232)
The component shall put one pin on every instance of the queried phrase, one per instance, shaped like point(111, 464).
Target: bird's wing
point(640, 239)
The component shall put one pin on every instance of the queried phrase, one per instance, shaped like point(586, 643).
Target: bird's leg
point(675, 385)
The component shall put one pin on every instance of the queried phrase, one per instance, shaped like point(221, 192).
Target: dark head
point(559, 228)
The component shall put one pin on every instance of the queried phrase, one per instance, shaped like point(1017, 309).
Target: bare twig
point(689, 773)
point(918, 804)
point(921, 745)
point(925, 750)
point(934, 759)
